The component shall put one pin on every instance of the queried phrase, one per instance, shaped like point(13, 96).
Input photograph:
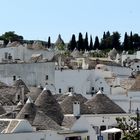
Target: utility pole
point(137, 112)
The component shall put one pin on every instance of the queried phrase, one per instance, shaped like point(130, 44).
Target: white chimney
point(76, 108)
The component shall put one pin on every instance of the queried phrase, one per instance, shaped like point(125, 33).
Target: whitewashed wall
point(21, 52)
point(46, 135)
point(125, 56)
point(89, 121)
point(81, 80)
point(120, 71)
point(31, 73)
point(138, 54)
point(129, 102)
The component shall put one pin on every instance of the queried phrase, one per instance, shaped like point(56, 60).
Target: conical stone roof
point(48, 104)
point(67, 104)
point(101, 104)
point(28, 111)
point(18, 83)
point(59, 41)
point(2, 110)
point(35, 92)
point(43, 122)
point(19, 106)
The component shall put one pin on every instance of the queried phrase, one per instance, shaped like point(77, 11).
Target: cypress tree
point(107, 34)
point(72, 44)
point(86, 47)
point(49, 42)
point(131, 41)
point(91, 43)
point(126, 42)
point(116, 40)
point(80, 43)
point(96, 43)
point(104, 36)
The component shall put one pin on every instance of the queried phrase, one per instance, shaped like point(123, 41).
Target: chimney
point(22, 94)
point(76, 108)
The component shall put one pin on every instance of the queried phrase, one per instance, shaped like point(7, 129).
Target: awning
point(112, 130)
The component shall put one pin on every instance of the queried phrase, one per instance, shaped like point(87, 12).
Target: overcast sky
point(38, 19)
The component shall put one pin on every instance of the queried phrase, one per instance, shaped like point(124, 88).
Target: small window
point(102, 88)
point(26, 116)
point(102, 127)
point(59, 90)
point(18, 97)
point(70, 89)
point(6, 55)
point(14, 115)
point(14, 78)
point(47, 77)
point(92, 88)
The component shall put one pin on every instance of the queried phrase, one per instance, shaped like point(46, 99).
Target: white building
point(21, 129)
point(95, 124)
point(33, 74)
point(88, 82)
point(23, 53)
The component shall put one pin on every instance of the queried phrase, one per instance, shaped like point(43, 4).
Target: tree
point(106, 41)
point(86, 47)
point(116, 40)
point(126, 42)
point(80, 44)
point(72, 44)
point(136, 41)
point(107, 34)
point(91, 44)
point(49, 42)
point(131, 40)
point(128, 126)
point(11, 36)
point(104, 35)
point(96, 43)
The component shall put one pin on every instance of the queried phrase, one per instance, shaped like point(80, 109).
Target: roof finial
point(99, 92)
point(29, 100)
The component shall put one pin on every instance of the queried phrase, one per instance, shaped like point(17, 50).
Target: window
point(59, 90)
point(6, 55)
point(102, 88)
point(14, 78)
point(18, 97)
point(70, 89)
point(102, 127)
point(26, 116)
point(47, 77)
point(92, 88)
point(14, 115)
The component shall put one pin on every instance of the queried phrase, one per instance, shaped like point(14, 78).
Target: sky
point(39, 19)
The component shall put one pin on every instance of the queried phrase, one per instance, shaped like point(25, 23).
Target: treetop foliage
point(108, 41)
